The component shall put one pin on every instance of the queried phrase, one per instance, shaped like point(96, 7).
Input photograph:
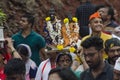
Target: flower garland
point(75, 30)
point(47, 19)
point(53, 33)
point(75, 19)
point(66, 22)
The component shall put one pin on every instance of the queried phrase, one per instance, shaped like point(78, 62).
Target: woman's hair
point(24, 49)
point(63, 54)
point(64, 73)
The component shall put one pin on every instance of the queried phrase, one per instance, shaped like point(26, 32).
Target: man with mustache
point(98, 69)
point(112, 48)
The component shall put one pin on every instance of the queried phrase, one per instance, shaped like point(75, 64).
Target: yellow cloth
point(104, 37)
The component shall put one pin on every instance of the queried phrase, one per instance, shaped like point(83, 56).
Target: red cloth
point(7, 56)
point(2, 75)
point(53, 66)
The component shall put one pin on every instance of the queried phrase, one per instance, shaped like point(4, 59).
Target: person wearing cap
point(46, 65)
point(28, 36)
point(98, 69)
point(117, 70)
point(112, 48)
point(96, 25)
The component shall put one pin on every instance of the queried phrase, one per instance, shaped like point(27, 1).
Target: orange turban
point(95, 15)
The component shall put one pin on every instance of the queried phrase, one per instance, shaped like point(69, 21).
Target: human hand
point(9, 42)
point(81, 54)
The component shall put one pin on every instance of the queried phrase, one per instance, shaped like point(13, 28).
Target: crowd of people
point(81, 47)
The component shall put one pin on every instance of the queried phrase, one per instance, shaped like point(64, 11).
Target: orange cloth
point(65, 36)
point(95, 15)
point(72, 36)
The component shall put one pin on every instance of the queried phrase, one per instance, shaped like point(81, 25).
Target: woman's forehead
point(64, 57)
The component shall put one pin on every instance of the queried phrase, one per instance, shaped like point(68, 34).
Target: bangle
point(13, 52)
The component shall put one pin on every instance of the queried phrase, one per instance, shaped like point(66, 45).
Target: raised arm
point(12, 49)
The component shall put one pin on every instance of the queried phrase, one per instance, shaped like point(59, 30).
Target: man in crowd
point(27, 36)
point(98, 69)
point(112, 48)
point(96, 24)
point(48, 64)
point(82, 13)
point(107, 15)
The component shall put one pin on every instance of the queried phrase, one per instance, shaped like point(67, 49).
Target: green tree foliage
point(2, 17)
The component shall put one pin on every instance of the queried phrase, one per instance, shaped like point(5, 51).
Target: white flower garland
point(68, 32)
point(54, 33)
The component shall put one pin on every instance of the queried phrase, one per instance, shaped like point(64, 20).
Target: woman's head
point(24, 51)
point(61, 74)
point(64, 60)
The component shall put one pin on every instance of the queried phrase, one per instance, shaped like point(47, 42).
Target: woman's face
point(54, 76)
point(64, 61)
point(24, 58)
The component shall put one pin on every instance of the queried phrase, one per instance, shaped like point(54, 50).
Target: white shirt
point(43, 70)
